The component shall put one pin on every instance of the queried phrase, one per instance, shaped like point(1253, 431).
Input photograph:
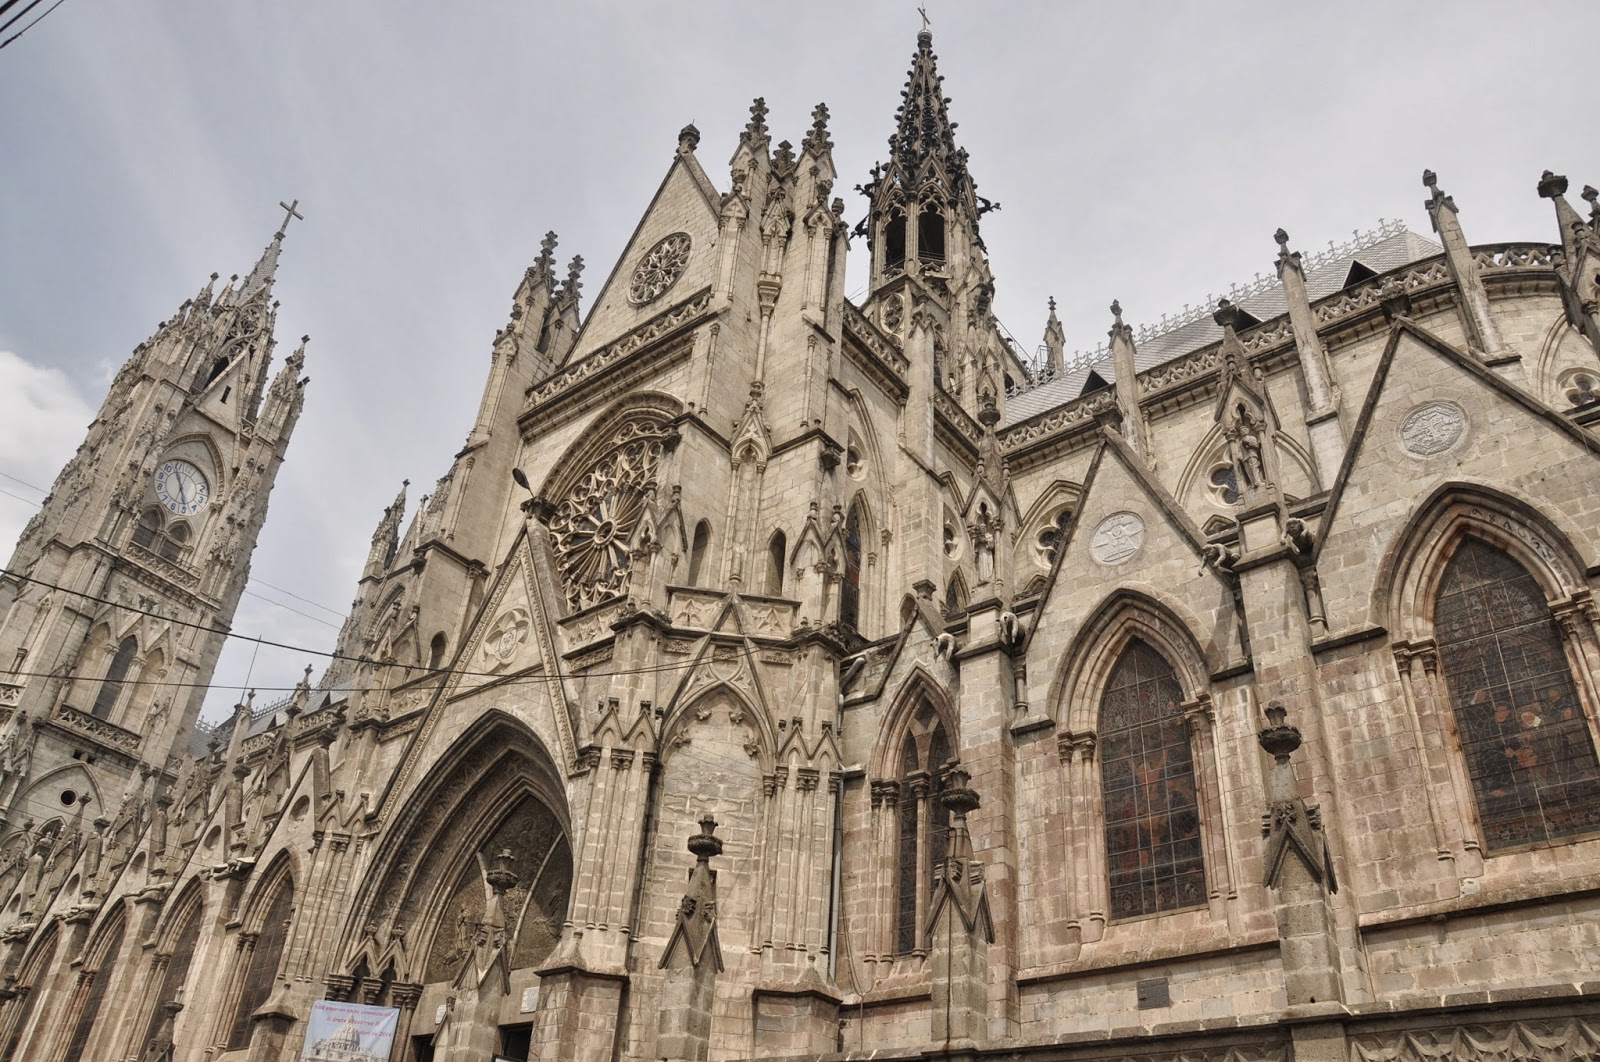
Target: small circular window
point(660, 268)
point(69, 797)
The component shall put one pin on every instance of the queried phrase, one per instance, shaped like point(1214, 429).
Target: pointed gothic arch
point(493, 772)
point(31, 983)
point(177, 938)
point(264, 934)
point(111, 685)
point(102, 959)
point(1490, 598)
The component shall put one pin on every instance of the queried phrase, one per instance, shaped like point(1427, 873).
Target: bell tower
point(929, 264)
point(112, 605)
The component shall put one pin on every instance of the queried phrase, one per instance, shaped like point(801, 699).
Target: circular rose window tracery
point(593, 525)
point(660, 268)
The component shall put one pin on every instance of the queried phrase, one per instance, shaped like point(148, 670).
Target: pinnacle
point(817, 141)
point(755, 131)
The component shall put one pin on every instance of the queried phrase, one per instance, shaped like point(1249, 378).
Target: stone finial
point(783, 158)
point(546, 262)
point(501, 878)
point(959, 797)
point(1226, 315)
point(1116, 311)
point(705, 845)
point(817, 142)
point(688, 139)
point(755, 130)
point(1551, 185)
point(572, 286)
point(1437, 199)
point(1591, 195)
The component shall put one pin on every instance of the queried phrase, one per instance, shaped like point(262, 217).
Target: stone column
point(692, 959)
point(959, 931)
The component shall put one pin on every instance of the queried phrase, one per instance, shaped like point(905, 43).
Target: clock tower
point(112, 604)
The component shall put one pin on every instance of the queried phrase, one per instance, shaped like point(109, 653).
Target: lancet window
point(261, 967)
point(1529, 754)
point(176, 972)
point(89, 1017)
point(850, 588)
point(111, 685)
point(1154, 857)
point(925, 752)
point(29, 989)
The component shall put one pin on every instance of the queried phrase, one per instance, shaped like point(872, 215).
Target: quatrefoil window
point(660, 268)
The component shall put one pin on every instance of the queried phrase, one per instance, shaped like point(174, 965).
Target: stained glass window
point(850, 589)
point(1152, 816)
point(262, 970)
point(88, 1017)
point(924, 822)
point(1529, 754)
point(29, 992)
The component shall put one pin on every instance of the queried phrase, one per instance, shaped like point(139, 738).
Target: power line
point(297, 612)
point(423, 671)
point(30, 25)
point(297, 597)
point(20, 498)
point(25, 483)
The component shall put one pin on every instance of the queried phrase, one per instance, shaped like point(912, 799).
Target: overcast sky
point(1142, 152)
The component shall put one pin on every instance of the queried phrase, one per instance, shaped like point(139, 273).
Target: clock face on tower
point(181, 487)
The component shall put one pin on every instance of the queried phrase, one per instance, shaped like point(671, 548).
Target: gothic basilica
point(775, 674)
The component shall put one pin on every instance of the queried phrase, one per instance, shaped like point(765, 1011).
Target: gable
point(1434, 416)
point(680, 206)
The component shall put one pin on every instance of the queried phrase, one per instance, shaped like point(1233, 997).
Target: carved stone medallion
point(1117, 538)
point(506, 634)
point(1432, 428)
point(660, 268)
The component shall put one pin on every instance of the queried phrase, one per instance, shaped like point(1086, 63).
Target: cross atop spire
point(291, 213)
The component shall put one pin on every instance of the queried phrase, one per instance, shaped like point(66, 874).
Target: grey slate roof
point(1390, 247)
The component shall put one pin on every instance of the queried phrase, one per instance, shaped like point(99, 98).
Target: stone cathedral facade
point(772, 674)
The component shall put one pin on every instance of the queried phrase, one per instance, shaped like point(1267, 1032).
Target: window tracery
point(88, 1017)
point(1154, 857)
point(850, 588)
point(593, 525)
point(1048, 540)
point(1224, 485)
point(660, 268)
point(261, 964)
point(1529, 754)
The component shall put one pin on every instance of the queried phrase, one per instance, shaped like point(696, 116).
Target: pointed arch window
point(777, 555)
point(148, 529)
point(1154, 858)
point(94, 999)
point(850, 588)
point(28, 992)
point(925, 754)
point(697, 551)
point(1529, 754)
point(111, 686)
point(175, 974)
point(930, 235)
point(261, 964)
point(894, 243)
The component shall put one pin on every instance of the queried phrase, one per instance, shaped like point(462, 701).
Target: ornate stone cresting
point(692, 959)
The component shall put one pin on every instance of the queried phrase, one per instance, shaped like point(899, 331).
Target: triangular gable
point(679, 205)
point(1473, 370)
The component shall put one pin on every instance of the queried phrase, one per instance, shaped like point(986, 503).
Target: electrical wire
point(297, 597)
point(290, 608)
point(30, 25)
point(23, 482)
point(20, 498)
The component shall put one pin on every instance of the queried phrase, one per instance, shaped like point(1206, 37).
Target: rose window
point(593, 526)
point(661, 267)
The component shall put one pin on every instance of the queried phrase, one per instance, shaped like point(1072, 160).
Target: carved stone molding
point(1556, 1040)
point(98, 729)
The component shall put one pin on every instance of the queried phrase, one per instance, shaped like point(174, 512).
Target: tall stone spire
point(1123, 357)
point(266, 269)
point(1479, 322)
point(1055, 343)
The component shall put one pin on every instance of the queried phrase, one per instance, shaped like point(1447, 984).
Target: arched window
point(930, 235)
point(436, 651)
point(261, 967)
point(1529, 755)
point(697, 551)
point(850, 588)
point(924, 823)
point(1152, 816)
point(111, 687)
point(955, 595)
point(29, 990)
point(176, 973)
point(149, 528)
point(894, 243)
point(777, 555)
point(173, 543)
point(88, 1017)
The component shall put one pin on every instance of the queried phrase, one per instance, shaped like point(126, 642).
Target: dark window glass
point(697, 551)
point(850, 589)
point(111, 688)
point(1529, 755)
point(894, 242)
point(263, 968)
point(777, 553)
point(176, 973)
point(930, 235)
point(1153, 854)
point(147, 530)
point(924, 821)
point(88, 1018)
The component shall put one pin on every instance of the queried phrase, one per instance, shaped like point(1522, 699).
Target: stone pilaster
point(959, 930)
point(1482, 332)
point(1323, 422)
point(692, 959)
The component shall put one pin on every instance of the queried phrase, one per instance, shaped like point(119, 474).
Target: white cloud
point(43, 423)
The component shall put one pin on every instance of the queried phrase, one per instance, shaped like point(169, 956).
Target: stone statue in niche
point(1245, 448)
